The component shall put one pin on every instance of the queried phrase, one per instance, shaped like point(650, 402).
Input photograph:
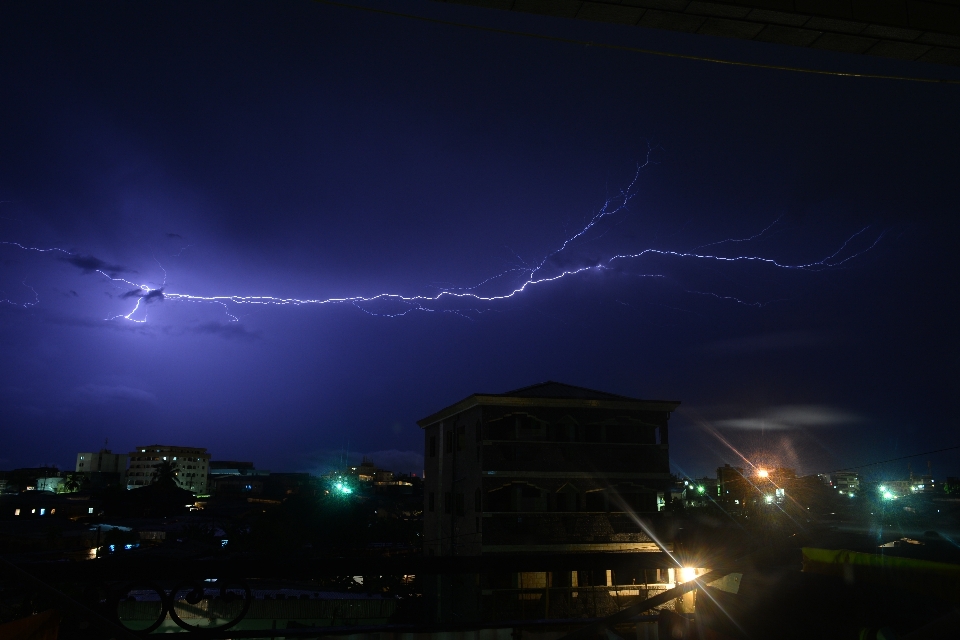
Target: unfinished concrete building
point(546, 469)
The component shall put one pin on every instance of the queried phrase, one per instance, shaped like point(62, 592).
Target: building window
point(596, 501)
point(448, 444)
point(430, 501)
point(433, 446)
point(446, 502)
point(476, 500)
point(461, 437)
point(460, 509)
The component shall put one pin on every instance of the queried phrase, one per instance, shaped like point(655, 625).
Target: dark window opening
point(430, 502)
point(595, 501)
point(477, 500)
point(593, 433)
point(460, 506)
point(524, 452)
point(500, 499)
point(566, 501)
point(433, 446)
point(446, 502)
point(448, 444)
point(624, 433)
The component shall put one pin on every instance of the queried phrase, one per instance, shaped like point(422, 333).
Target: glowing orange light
point(763, 473)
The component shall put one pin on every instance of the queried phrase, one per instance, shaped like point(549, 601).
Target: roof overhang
point(479, 399)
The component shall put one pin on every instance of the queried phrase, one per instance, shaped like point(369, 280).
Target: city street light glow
point(763, 473)
point(687, 574)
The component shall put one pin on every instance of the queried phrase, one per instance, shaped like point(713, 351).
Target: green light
point(700, 488)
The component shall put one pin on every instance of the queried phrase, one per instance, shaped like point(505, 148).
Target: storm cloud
point(92, 264)
point(147, 296)
point(107, 394)
point(229, 330)
point(775, 341)
point(786, 417)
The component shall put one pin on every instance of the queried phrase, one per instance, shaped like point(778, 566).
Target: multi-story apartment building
point(548, 468)
point(191, 463)
point(102, 461)
point(552, 470)
point(846, 482)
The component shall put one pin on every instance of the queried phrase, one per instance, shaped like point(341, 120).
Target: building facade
point(102, 461)
point(846, 482)
point(191, 466)
point(550, 468)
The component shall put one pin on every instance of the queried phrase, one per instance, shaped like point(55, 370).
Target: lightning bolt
point(532, 275)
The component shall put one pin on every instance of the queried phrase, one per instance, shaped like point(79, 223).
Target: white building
point(103, 460)
point(192, 466)
point(846, 482)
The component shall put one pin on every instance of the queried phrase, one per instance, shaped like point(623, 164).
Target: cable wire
point(652, 52)
point(914, 455)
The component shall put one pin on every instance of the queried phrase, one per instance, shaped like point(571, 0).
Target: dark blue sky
point(299, 150)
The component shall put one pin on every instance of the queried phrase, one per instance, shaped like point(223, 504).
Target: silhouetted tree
point(74, 482)
point(165, 473)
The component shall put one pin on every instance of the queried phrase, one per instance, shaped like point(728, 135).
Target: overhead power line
point(652, 52)
point(913, 455)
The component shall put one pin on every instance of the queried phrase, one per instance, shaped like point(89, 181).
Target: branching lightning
point(531, 275)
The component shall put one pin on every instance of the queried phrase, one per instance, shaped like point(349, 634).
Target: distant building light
point(687, 574)
point(90, 510)
point(768, 499)
point(33, 510)
point(16, 512)
point(763, 473)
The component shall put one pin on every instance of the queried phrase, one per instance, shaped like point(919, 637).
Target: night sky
point(304, 151)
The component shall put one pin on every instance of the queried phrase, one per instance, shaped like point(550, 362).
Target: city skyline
point(314, 154)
